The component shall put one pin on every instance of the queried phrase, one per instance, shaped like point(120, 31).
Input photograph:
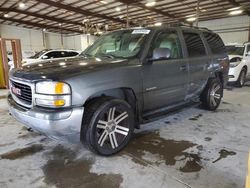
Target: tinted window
point(248, 48)
point(194, 44)
point(234, 50)
point(168, 40)
point(54, 54)
point(215, 43)
point(71, 54)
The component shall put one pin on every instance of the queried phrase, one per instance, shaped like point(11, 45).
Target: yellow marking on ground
point(248, 175)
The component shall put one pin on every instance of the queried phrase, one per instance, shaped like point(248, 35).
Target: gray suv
point(124, 79)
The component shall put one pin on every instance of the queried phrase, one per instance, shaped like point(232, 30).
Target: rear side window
point(215, 43)
point(54, 54)
point(71, 54)
point(195, 46)
point(248, 49)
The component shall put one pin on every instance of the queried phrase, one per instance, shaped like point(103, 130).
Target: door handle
point(183, 67)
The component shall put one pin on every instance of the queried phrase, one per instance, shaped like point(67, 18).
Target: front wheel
point(108, 125)
point(212, 94)
point(242, 77)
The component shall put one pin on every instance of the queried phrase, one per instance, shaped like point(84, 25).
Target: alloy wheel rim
point(112, 130)
point(215, 94)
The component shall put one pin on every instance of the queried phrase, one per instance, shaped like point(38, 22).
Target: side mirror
point(45, 57)
point(161, 53)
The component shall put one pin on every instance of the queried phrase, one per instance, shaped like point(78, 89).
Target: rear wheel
point(108, 125)
point(242, 77)
point(212, 94)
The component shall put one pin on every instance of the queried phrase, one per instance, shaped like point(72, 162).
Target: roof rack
point(178, 24)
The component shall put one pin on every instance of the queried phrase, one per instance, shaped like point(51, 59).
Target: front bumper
point(234, 73)
point(60, 124)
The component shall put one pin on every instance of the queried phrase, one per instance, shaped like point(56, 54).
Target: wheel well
point(245, 67)
point(126, 94)
point(220, 76)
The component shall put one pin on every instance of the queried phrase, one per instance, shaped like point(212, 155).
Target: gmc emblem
point(16, 91)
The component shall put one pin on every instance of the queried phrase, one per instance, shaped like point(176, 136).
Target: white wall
point(73, 42)
point(32, 40)
point(233, 29)
point(79, 42)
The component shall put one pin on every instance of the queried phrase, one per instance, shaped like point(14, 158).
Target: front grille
point(25, 95)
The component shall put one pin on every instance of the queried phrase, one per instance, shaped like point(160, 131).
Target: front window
point(119, 44)
point(235, 50)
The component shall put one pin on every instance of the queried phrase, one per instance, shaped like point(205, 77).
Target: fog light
point(59, 102)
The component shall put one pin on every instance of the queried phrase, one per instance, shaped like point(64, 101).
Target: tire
point(108, 125)
point(242, 78)
point(212, 94)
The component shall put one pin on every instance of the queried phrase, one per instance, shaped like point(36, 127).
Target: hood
point(28, 61)
point(62, 69)
point(232, 56)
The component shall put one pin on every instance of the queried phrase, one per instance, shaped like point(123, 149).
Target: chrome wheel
point(112, 128)
point(215, 94)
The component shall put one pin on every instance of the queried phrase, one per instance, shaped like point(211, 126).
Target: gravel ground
point(190, 148)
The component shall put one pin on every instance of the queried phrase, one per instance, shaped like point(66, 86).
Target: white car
point(46, 55)
point(239, 56)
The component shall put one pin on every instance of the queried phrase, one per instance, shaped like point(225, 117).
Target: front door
point(165, 80)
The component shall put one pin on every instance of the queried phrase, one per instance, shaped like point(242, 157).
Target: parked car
point(45, 55)
point(25, 54)
point(125, 78)
point(239, 56)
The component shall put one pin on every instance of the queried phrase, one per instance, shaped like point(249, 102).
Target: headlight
point(52, 94)
point(235, 61)
point(52, 88)
point(234, 64)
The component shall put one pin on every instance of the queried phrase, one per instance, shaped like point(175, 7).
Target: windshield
point(38, 54)
point(119, 44)
point(235, 50)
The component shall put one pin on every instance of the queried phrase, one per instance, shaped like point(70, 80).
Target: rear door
point(165, 80)
point(199, 62)
point(219, 57)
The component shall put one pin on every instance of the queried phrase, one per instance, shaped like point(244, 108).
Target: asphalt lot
point(190, 148)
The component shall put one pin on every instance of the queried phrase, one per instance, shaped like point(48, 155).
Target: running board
point(159, 113)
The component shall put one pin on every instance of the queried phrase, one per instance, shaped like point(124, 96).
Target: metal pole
point(197, 13)
point(61, 38)
point(127, 17)
point(44, 45)
point(249, 33)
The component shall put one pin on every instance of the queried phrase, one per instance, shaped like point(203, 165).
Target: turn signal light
point(59, 88)
point(59, 102)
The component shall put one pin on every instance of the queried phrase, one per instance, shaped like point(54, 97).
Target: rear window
point(215, 43)
point(194, 44)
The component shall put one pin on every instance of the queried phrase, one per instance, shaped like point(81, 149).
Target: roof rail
point(178, 24)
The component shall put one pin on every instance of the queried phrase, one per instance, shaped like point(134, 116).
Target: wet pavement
point(191, 148)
